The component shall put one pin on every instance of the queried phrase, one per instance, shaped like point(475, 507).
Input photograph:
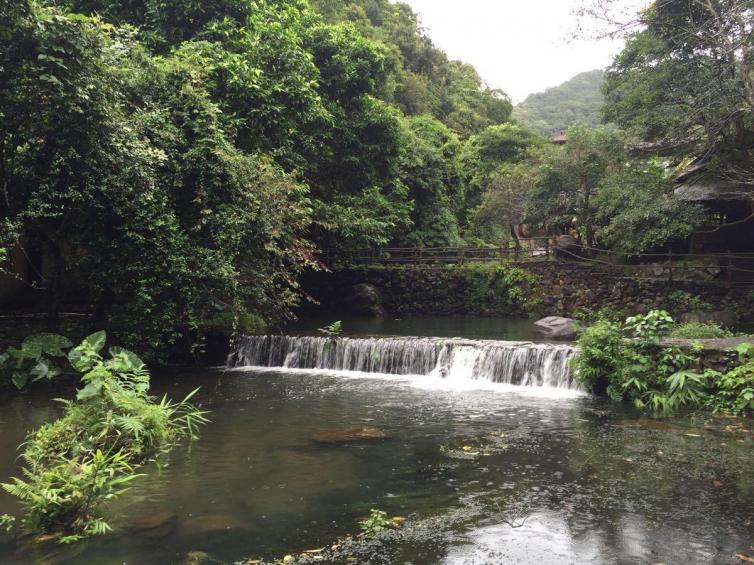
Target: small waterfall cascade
point(516, 363)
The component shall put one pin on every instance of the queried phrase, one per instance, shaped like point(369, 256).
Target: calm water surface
point(470, 327)
point(545, 477)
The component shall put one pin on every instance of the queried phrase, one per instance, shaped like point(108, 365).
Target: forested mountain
point(578, 100)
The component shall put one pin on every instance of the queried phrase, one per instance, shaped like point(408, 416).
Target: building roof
point(697, 184)
point(559, 138)
point(710, 189)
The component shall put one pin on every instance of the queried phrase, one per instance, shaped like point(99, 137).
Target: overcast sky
point(520, 46)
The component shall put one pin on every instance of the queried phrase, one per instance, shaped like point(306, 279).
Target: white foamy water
point(447, 364)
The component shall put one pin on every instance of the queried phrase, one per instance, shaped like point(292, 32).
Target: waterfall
point(517, 363)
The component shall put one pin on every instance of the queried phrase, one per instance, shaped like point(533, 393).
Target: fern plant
point(75, 465)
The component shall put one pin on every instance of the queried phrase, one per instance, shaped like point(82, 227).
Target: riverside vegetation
point(629, 362)
point(169, 167)
point(75, 465)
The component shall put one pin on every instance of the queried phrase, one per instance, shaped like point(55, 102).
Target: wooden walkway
point(524, 249)
point(730, 269)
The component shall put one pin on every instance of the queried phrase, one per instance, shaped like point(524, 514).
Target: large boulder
point(723, 318)
point(555, 327)
point(365, 300)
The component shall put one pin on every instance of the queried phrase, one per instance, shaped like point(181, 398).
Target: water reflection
point(545, 480)
point(469, 327)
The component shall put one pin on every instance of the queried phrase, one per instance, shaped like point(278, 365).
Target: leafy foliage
point(34, 360)
point(174, 164)
point(699, 330)
point(594, 186)
point(76, 464)
point(421, 80)
point(684, 79)
point(628, 362)
point(734, 388)
point(376, 522)
point(333, 330)
point(637, 210)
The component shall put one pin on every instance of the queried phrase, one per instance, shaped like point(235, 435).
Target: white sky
point(519, 46)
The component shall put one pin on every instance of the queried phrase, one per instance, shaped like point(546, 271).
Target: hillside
point(576, 100)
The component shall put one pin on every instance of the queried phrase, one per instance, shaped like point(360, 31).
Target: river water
point(485, 473)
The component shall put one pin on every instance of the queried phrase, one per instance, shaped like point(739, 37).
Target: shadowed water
point(548, 476)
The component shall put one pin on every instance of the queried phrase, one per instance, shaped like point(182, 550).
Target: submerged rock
point(556, 327)
point(349, 435)
point(210, 524)
point(159, 525)
point(198, 558)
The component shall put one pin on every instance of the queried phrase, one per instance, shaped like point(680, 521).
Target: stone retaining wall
point(552, 288)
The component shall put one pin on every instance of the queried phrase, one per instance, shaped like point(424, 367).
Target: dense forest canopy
point(173, 165)
point(686, 81)
point(576, 101)
point(183, 161)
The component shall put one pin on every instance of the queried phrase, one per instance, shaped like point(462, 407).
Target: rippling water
point(545, 478)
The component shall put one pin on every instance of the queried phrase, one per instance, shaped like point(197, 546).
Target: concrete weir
point(455, 359)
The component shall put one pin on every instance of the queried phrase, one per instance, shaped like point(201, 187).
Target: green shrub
point(679, 301)
point(734, 389)
point(497, 288)
point(376, 522)
point(76, 464)
point(651, 327)
point(600, 357)
point(699, 330)
point(588, 316)
point(630, 363)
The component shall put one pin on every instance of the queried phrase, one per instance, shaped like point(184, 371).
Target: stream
point(484, 471)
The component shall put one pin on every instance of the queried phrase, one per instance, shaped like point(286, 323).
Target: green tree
point(421, 79)
point(486, 152)
point(429, 168)
point(504, 201)
point(121, 167)
point(569, 179)
point(686, 79)
point(637, 210)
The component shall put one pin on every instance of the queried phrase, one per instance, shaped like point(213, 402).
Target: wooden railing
point(730, 269)
point(539, 248)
